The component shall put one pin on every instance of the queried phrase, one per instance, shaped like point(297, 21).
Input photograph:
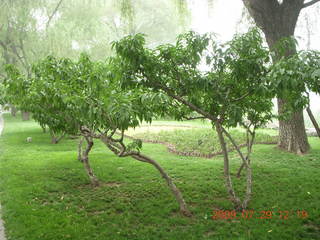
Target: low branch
point(193, 118)
point(240, 98)
point(308, 4)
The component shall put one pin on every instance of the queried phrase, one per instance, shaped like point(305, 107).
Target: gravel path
point(2, 235)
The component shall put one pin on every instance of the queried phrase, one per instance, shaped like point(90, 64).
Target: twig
point(193, 118)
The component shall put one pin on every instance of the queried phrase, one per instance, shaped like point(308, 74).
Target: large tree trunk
point(278, 21)
point(292, 133)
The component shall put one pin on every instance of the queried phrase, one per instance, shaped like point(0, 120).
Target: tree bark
point(54, 138)
point(80, 149)
point(314, 121)
point(86, 164)
point(13, 111)
point(292, 133)
point(278, 21)
point(25, 116)
point(235, 200)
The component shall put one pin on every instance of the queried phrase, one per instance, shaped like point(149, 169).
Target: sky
point(223, 20)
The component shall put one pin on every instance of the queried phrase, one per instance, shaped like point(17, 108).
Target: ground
point(46, 195)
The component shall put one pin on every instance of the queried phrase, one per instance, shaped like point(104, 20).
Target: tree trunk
point(140, 157)
point(55, 139)
point(80, 149)
point(278, 21)
point(292, 133)
point(25, 116)
point(176, 192)
point(313, 120)
point(86, 164)
point(13, 111)
point(235, 200)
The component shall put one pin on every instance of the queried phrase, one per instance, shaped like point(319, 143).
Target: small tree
point(232, 91)
point(81, 98)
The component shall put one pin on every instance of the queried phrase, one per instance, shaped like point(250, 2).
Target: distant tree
point(34, 29)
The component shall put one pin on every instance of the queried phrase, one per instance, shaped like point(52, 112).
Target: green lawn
point(45, 193)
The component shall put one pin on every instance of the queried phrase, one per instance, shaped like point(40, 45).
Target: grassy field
point(45, 193)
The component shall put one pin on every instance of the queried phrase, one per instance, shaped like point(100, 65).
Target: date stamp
point(252, 214)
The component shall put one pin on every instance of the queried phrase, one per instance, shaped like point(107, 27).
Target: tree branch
point(185, 102)
point(52, 15)
point(240, 98)
point(236, 146)
point(193, 118)
point(308, 4)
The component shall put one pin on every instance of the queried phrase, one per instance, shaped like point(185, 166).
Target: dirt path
point(2, 235)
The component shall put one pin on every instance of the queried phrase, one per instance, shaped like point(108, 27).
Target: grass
point(45, 193)
point(200, 140)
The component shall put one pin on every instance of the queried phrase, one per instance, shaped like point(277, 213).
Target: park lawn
point(45, 193)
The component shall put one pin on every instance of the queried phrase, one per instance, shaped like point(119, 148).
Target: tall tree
point(278, 19)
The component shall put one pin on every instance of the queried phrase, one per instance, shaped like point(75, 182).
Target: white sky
point(222, 19)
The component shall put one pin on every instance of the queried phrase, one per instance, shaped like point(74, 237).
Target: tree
point(82, 98)
point(277, 19)
point(233, 91)
point(33, 29)
point(298, 74)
